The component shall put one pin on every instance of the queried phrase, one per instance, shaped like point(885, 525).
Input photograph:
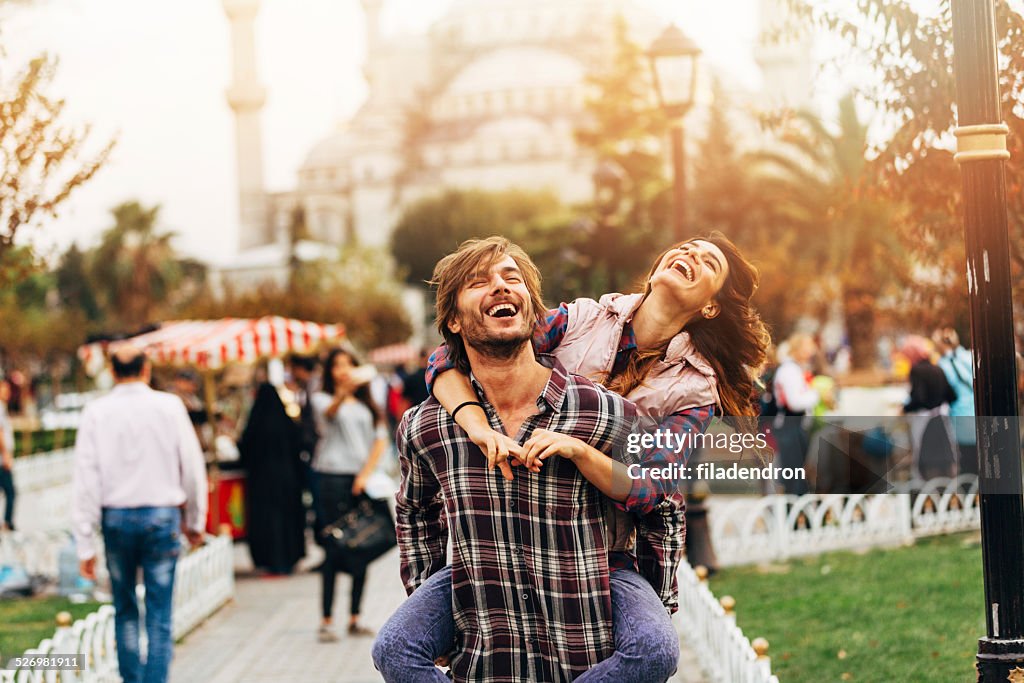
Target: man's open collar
point(553, 395)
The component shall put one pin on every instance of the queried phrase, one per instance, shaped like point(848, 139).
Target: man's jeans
point(423, 629)
point(148, 538)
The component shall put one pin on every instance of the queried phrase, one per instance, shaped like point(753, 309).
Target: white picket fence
point(37, 552)
point(709, 627)
point(204, 581)
point(778, 527)
point(43, 483)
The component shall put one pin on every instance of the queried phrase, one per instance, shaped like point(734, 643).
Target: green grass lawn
point(25, 622)
point(909, 614)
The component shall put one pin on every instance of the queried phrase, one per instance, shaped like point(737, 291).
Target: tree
point(434, 227)
point(820, 184)
point(136, 272)
point(74, 286)
point(42, 161)
point(358, 290)
point(623, 125)
point(728, 196)
point(910, 48)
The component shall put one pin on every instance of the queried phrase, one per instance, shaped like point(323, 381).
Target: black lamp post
point(981, 152)
point(673, 58)
point(609, 179)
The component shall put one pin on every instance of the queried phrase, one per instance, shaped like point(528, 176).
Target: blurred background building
point(488, 98)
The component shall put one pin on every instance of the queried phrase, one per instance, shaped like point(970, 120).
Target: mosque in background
point(490, 95)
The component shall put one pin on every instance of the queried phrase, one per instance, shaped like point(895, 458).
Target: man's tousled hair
point(453, 271)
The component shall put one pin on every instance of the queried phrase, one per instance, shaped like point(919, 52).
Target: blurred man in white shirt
point(138, 469)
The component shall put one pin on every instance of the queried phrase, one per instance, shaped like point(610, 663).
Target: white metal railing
point(204, 581)
point(709, 627)
point(43, 471)
point(778, 527)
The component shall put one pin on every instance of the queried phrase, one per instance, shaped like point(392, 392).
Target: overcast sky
point(154, 75)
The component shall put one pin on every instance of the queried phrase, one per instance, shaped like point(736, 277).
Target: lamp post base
point(1000, 660)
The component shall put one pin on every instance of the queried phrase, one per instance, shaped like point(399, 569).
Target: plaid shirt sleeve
point(648, 493)
point(551, 329)
point(439, 362)
point(660, 539)
point(660, 509)
point(546, 337)
point(420, 522)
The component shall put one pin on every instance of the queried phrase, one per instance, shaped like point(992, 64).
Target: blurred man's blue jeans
point(146, 538)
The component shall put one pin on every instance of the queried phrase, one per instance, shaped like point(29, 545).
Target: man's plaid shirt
point(530, 587)
point(658, 506)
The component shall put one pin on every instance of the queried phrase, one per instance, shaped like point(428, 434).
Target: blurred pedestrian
point(414, 389)
point(301, 371)
point(928, 408)
point(270, 450)
point(353, 438)
point(795, 397)
point(186, 387)
point(6, 457)
point(958, 367)
point(138, 467)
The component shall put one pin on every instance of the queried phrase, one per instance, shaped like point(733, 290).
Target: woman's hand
point(499, 450)
point(542, 444)
point(359, 485)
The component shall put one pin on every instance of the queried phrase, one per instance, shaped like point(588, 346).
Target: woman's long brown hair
point(734, 343)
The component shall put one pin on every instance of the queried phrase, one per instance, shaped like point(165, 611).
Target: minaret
point(786, 60)
point(246, 97)
point(372, 10)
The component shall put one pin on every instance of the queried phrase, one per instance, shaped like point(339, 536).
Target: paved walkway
point(268, 633)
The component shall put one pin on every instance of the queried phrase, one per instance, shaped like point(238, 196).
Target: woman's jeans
point(7, 486)
point(336, 500)
point(423, 629)
point(147, 537)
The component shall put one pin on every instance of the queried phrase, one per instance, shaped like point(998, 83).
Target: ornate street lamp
point(981, 153)
point(674, 58)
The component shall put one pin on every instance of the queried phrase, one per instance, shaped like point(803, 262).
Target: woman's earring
point(709, 312)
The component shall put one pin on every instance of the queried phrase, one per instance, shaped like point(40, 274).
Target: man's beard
point(498, 348)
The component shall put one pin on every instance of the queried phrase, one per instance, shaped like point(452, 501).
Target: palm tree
point(823, 188)
point(135, 267)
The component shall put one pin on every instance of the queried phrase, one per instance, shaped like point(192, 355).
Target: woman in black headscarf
point(270, 452)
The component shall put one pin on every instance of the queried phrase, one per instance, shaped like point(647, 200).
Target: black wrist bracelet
point(467, 403)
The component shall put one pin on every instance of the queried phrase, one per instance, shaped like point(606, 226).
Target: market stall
point(214, 348)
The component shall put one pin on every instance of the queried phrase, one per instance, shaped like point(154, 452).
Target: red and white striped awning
point(212, 344)
point(394, 354)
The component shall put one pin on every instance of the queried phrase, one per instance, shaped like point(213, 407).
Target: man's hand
point(499, 450)
point(543, 444)
point(359, 484)
point(87, 569)
point(195, 538)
